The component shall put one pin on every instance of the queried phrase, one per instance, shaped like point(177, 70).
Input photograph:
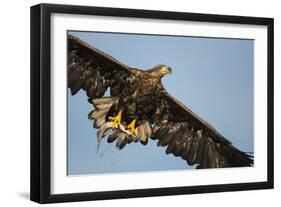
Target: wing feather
point(93, 70)
point(187, 135)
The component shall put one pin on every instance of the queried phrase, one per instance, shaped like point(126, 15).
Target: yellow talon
point(132, 128)
point(116, 120)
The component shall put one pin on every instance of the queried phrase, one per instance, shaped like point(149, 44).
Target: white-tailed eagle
point(140, 108)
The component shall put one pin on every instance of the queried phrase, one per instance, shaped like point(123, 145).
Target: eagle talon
point(116, 120)
point(132, 128)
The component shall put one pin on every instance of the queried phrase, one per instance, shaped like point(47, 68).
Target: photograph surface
point(147, 102)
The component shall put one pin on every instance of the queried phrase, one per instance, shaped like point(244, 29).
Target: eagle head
point(161, 70)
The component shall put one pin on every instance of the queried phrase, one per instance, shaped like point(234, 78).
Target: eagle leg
point(116, 120)
point(132, 128)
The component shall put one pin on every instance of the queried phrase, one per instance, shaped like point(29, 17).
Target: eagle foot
point(132, 128)
point(116, 119)
point(118, 130)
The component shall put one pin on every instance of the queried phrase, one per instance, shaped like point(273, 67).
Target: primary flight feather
point(140, 108)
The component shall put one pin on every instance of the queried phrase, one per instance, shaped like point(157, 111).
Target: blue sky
point(212, 76)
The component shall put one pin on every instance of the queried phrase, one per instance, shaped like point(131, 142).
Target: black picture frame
point(41, 95)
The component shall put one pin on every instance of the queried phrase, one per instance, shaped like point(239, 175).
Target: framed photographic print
point(132, 103)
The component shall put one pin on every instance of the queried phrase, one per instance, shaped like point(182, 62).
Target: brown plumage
point(140, 96)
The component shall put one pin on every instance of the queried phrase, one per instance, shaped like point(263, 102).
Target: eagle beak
point(170, 70)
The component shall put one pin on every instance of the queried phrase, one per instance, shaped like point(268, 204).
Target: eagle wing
point(93, 70)
point(187, 135)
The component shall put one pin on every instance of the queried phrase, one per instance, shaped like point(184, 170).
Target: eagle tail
point(102, 107)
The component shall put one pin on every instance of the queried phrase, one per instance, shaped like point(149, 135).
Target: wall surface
point(14, 110)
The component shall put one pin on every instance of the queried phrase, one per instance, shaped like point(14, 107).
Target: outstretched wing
point(187, 135)
point(93, 70)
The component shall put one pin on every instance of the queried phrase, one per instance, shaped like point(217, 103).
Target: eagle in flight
point(140, 108)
